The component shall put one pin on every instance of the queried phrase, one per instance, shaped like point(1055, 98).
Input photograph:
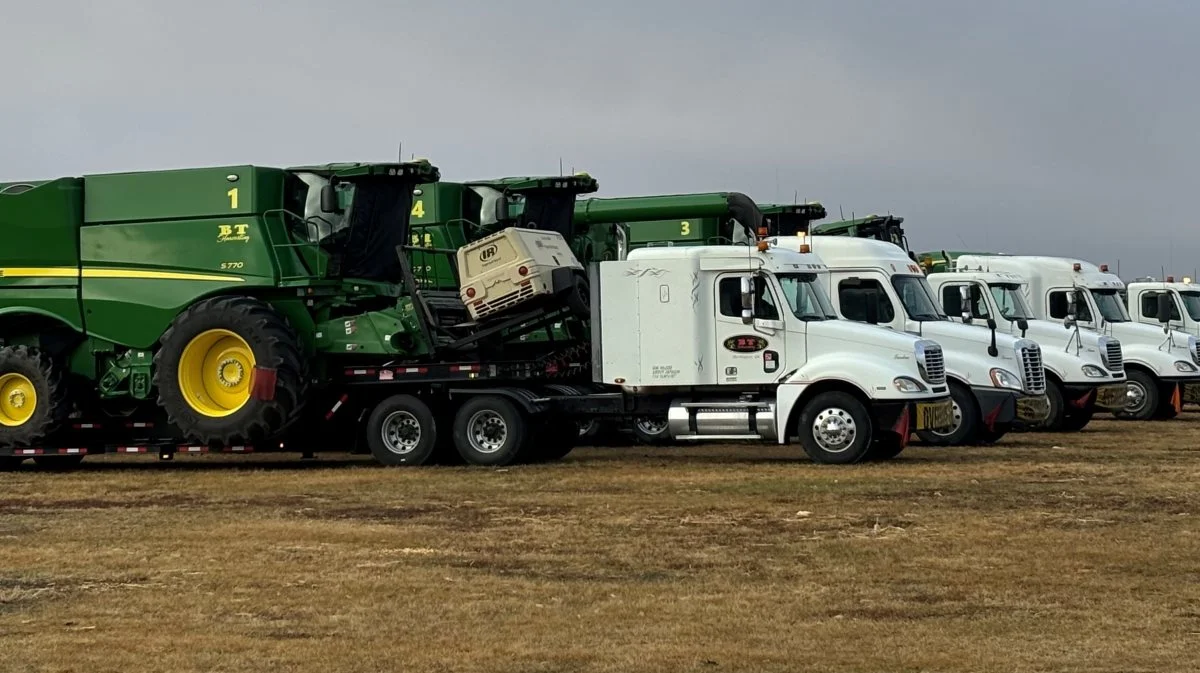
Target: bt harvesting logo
point(232, 233)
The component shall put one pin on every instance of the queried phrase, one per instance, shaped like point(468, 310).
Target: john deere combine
point(216, 307)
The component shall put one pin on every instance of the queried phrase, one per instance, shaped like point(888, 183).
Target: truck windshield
point(1010, 301)
point(918, 298)
point(806, 297)
point(1191, 302)
point(1110, 306)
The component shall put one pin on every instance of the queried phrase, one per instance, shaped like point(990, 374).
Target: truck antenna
point(400, 152)
point(560, 167)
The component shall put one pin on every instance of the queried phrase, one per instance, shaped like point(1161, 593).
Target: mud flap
point(262, 384)
point(901, 427)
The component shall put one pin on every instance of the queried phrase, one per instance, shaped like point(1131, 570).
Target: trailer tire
point(554, 440)
point(1076, 421)
point(33, 396)
point(846, 436)
point(230, 337)
point(401, 430)
point(1143, 393)
point(886, 447)
point(10, 463)
point(579, 296)
point(651, 430)
point(490, 430)
point(966, 413)
point(58, 463)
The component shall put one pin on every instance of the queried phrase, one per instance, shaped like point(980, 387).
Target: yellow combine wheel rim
point(215, 371)
point(18, 400)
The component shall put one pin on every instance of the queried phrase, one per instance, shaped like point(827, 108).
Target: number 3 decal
point(685, 228)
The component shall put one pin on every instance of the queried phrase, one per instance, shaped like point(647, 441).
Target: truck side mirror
point(1164, 308)
point(1072, 306)
point(747, 291)
point(329, 199)
point(501, 209)
point(953, 304)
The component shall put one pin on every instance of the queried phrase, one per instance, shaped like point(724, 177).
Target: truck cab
point(743, 342)
point(1084, 370)
point(1161, 365)
point(1182, 306)
point(998, 381)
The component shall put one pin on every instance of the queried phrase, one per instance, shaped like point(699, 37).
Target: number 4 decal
point(418, 209)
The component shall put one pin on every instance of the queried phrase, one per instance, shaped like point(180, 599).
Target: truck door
point(749, 353)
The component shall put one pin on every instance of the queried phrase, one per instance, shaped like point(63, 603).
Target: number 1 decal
point(233, 198)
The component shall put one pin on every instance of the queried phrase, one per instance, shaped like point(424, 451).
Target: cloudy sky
point(1066, 127)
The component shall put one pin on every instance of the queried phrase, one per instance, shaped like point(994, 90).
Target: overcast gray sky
point(1062, 127)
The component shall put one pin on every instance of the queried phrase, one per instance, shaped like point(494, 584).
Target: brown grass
point(1045, 553)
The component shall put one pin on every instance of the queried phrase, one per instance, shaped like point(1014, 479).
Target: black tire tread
point(44, 373)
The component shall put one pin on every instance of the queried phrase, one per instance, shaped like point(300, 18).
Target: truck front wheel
point(1141, 393)
point(966, 420)
point(229, 371)
point(490, 430)
point(835, 428)
point(402, 431)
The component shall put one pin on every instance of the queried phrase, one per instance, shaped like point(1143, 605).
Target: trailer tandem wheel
point(490, 430)
point(402, 431)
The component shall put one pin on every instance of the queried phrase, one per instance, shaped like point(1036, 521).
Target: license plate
point(1033, 409)
point(1112, 397)
point(935, 415)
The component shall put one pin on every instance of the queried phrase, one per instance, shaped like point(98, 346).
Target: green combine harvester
point(619, 225)
point(226, 307)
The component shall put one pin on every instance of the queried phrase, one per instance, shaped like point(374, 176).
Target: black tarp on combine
point(380, 209)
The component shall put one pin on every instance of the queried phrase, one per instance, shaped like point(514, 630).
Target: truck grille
point(1112, 355)
point(1196, 352)
point(1029, 354)
point(932, 363)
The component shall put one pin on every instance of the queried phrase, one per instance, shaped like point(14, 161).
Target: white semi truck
point(1084, 370)
point(1167, 304)
point(743, 343)
point(1162, 367)
point(997, 381)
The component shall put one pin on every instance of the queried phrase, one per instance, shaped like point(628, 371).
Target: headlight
point(907, 385)
point(1003, 378)
point(1183, 366)
point(1193, 350)
point(1094, 372)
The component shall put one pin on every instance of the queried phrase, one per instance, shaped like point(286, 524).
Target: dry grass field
point(1044, 553)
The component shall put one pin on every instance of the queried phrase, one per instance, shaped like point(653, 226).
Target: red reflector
point(470, 293)
point(523, 271)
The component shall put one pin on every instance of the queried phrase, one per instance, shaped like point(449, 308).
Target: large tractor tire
point(33, 397)
point(229, 371)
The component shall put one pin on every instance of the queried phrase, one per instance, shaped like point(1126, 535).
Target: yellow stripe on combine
point(93, 272)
